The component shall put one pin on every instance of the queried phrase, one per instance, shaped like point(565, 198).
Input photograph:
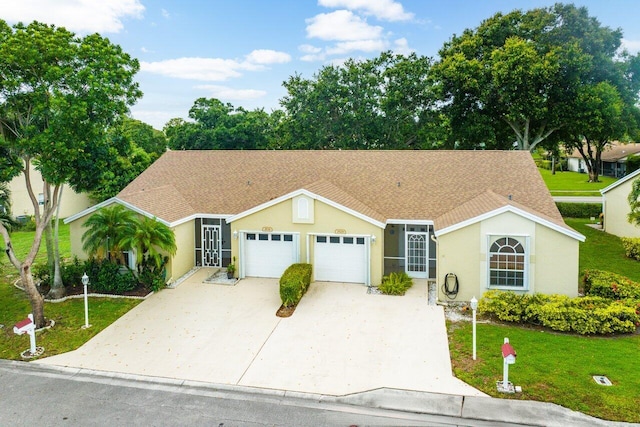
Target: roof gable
point(620, 181)
point(490, 204)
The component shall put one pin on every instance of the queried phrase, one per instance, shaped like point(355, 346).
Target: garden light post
point(85, 282)
point(474, 307)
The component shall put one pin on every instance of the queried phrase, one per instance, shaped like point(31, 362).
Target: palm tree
point(106, 230)
point(149, 237)
point(5, 206)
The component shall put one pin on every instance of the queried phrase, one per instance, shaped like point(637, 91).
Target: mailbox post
point(509, 358)
point(474, 307)
point(27, 326)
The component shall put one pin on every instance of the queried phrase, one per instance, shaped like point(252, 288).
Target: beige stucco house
point(21, 205)
point(486, 217)
point(615, 206)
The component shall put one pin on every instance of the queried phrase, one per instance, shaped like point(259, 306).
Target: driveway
point(340, 340)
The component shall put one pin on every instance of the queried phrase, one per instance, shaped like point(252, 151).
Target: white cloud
point(401, 47)
point(206, 69)
point(388, 10)
point(341, 25)
point(307, 48)
point(267, 56)
point(358, 45)
point(633, 46)
point(81, 16)
point(231, 94)
point(165, 13)
point(214, 69)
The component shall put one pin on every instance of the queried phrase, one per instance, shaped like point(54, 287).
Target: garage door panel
point(340, 259)
point(269, 254)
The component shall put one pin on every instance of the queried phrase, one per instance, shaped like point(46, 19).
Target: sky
point(241, 51)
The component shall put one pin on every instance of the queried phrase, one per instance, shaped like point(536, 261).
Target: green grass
point(553, 367)
point(603, 251)
point(67, 334)
point(574, 183)
point(556, 367)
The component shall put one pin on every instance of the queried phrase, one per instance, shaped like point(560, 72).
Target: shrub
point(108, 277)
point(396, 283)
point(579, 210)
point(294, 283)
point(583, 315)
point(610, 285)
point(631, 247)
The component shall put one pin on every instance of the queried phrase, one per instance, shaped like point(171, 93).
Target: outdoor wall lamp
point(373, 238)
point(235, 234)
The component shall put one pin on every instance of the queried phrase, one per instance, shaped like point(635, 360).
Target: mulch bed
point(286, 311)
point(79, 290)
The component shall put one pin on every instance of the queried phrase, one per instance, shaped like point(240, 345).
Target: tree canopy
point(380, 103)
point(517, 78)
point(58, 95)
point(219, 126)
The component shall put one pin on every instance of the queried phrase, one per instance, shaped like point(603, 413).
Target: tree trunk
point(35, 297)
point(57, 286)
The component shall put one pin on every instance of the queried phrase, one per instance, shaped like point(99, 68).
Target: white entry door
point(340, 259)
point(269, 254)
point(417, 253)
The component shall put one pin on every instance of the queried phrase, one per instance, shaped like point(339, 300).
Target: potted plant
point(231, 269)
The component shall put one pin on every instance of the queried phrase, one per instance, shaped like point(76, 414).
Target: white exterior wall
point(21, 204)
point(552, 256)
point(616, 209)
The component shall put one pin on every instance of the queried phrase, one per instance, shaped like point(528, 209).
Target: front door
point(417, 254)
point(211, 245)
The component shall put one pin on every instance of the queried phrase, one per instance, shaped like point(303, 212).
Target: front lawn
point(574, 183)
point(553, 367)
point(603, 251)
point(557, 367)
point(67, 334)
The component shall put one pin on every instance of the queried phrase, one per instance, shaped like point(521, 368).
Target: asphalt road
point(32, 395)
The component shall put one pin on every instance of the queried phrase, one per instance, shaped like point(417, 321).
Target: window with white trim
point(508, 263)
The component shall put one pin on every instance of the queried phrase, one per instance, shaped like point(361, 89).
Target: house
point(21, 205)
point(613, 160)
point(615, 207)
point(484, 216)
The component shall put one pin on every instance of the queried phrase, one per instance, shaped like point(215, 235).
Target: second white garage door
point(269, 254)
point(340, 259)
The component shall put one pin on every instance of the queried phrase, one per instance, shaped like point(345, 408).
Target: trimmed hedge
point(631, 247)
point(294, 283)
point(610, 285)
point(579, 210)
point(396, 283)
point(582, 315)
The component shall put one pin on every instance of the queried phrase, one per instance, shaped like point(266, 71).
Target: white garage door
point(269, 254)
point(340, 259)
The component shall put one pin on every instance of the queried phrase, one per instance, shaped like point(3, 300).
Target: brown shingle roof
point(419, 185)
point(483, 203)
point(614, 152)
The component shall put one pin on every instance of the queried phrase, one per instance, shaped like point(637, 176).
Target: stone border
point(94, 295)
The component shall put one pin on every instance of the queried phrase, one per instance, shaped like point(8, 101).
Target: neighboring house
point(485, 216)
point(21, 204)
point(615, 205)
point(613, 160)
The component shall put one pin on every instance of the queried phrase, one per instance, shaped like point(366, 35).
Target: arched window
point(507, 262)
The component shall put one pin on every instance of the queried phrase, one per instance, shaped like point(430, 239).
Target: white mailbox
point(508, 353)
point(25, 326)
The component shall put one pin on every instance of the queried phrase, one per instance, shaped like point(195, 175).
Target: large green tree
point(58, 95)
point(134, 145)
point(219, 126)
point(634, 202)
point(517, 77)
point(380, 103)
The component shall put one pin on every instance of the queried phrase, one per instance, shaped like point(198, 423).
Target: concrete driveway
point(340, 340)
